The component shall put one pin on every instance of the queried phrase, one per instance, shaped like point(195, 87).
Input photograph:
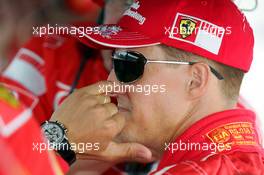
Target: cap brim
point(115, 37)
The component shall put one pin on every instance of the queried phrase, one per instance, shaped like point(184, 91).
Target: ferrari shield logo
point(187, 27)
point(7, 96)
point(198, 32)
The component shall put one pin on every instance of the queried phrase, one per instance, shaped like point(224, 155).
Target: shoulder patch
point(238, 133)
point(7, 97)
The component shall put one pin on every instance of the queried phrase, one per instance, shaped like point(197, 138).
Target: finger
point(106, 110)
point(115, 124)
point(128, 152)
point(92, 101)
point(103, 99)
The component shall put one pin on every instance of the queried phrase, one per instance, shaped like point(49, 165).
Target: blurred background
point(17, 17)
point(253, 85)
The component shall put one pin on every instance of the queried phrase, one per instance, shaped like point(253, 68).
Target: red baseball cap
point(215, 29)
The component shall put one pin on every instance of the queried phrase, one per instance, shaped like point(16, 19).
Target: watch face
point(53, 132)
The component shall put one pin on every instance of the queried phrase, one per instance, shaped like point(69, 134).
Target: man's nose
point(112, 76)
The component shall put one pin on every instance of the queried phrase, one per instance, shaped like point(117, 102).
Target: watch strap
point(67, 154)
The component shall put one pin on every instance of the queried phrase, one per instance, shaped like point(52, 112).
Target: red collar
point(235, 130)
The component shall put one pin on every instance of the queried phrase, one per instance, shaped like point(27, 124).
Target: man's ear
point(199, 78)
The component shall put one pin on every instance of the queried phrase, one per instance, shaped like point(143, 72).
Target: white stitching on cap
point(114, 45)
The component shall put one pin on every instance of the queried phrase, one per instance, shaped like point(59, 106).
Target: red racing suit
point(20, 140)
point(224, 143)
point(40, 76)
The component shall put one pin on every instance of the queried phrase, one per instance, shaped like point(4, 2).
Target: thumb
point(130, 152)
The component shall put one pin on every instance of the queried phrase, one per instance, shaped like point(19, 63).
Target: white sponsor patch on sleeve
point(26, 74)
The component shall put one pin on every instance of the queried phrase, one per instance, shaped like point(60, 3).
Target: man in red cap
point(193, 126)
point(199, 51)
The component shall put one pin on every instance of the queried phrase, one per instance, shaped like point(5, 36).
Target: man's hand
point(90, 117)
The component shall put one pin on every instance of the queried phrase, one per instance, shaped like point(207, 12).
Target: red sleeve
point(26, 77)
point(21, 140)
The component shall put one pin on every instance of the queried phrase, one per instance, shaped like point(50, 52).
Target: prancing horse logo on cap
point(187, 26)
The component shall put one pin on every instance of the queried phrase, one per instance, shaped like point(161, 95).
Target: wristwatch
point(55, 133)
